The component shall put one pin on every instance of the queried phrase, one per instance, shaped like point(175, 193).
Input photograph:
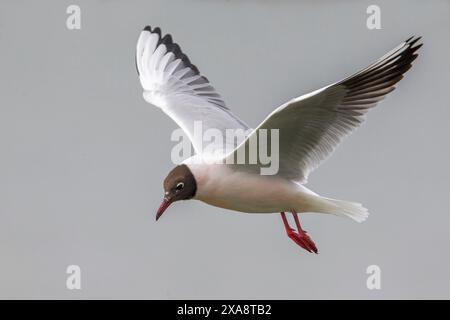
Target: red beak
point(164, 205)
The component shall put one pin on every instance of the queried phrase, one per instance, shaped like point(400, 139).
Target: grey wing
point(311, 126)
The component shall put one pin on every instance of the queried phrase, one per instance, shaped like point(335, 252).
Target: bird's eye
point(180, 185)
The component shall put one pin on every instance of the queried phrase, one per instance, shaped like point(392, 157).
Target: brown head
point(179, 184)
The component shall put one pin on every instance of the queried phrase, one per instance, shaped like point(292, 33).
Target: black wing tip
point(156, 30)
point(167, 40)
point(413, 38)
point(385, 74)
point(413, 45)
point(172, 47)
point(410, 42)
point(407, 56)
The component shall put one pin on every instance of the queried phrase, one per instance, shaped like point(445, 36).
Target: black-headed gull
point(310, 128)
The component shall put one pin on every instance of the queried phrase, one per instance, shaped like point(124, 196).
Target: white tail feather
point(352, 210)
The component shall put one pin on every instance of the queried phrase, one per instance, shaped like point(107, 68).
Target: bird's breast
point(220, 186)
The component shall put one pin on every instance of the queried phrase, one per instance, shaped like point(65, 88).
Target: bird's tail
point(352, 210)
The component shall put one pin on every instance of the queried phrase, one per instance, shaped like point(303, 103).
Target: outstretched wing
point(312, 126)
point(172, 83)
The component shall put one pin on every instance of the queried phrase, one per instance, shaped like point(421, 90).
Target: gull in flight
point(310, 127)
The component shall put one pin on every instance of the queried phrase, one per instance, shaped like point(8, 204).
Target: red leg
point(303, 234)
point(300, 237)
point(297, 220)
point(286, 223)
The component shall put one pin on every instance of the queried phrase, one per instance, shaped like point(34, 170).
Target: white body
point(220, 186)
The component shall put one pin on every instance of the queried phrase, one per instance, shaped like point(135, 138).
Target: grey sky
point(83, 157)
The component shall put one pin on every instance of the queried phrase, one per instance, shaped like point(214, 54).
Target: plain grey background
point(83, 156)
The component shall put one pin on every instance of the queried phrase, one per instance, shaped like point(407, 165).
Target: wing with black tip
point(312, 126)
point(172, 83)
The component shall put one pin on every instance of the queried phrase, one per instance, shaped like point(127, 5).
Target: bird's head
point(179, 184)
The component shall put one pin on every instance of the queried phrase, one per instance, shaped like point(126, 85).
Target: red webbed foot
point(303, 240)
point(300, 237)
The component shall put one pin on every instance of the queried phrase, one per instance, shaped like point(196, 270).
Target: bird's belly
point(250, 193)
point(248, 205)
